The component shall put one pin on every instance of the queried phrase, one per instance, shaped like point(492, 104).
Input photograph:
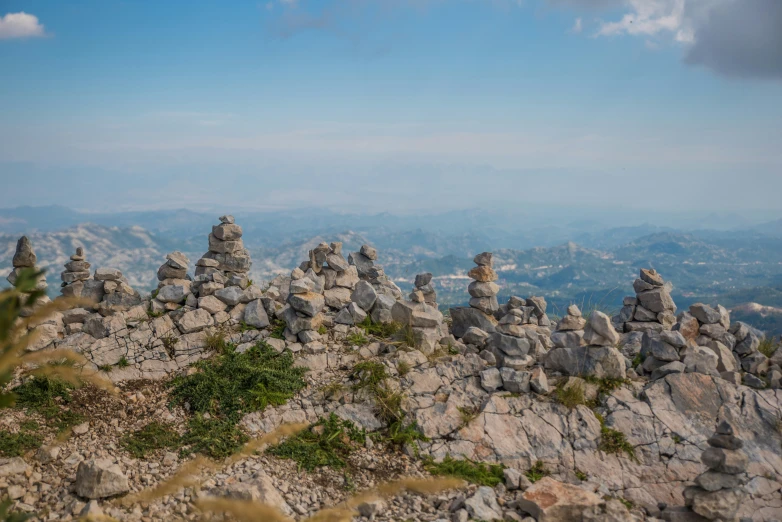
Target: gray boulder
point(100, 478)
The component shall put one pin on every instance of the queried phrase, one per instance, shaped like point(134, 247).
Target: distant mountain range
point(586, 264)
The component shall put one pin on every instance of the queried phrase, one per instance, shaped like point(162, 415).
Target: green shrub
point(357, 339)
point(214, 437)
point(768, 346)
point(42, 392)
point(153, 436)
point(328, 443)
point(604, 384)
point(123, 362)
point(571, 396)
point(278, 329)
point(379, 330)
point(233, 383)
point(6, 515)
point(16, 444)
point(476, 472)
point(614, 441)
point(537, 472)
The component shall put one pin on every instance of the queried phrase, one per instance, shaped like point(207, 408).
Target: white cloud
point(577, 26)
point(20, 25)
point(650, 17)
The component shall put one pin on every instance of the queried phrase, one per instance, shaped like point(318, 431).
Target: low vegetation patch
point(357, 339)
point(17, 444)
point(604, 384)
point(214, 437)
point(768, 346)
point(153, 436)
point(571, 396)
point(6, 515)
point(537, 472)
point(47, 396)
point(379, 330)
point(278, 329)
point(479, 473)
point(614, 441)
point(328, 442)
point(233, 383)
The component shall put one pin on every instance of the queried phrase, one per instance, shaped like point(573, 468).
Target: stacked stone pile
point(652, 308)
point(174, 285)
point(421, 315)
point(226, 254)
point(25, 258)
point(599, 358)
point(718, 494)
point(364, 261)
point(77, 270)
point(522, 334)
point(118, 296)
point(570, 329)
point(483, 303)
point(734, 346)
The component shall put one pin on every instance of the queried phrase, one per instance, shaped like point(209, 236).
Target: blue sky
point(392, 105)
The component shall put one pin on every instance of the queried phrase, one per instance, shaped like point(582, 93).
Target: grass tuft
point(217, 438)
point(278, 329)
point(475, 472)
point(233, 383)
point(17, 444)
point(153, 436)
point(571, 396)
point(327, 443)
point(357, 339)
point(379, 330)
point(768, 346)
point(614, 441)
point(537, 472)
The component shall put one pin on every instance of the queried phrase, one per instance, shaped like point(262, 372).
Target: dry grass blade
point(76, 377)
point(347, 509)
point(242, 510)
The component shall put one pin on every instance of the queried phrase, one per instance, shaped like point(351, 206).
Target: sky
point(392, 105)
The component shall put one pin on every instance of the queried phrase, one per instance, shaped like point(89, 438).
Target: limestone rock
point(100, 478)
point(551, 501)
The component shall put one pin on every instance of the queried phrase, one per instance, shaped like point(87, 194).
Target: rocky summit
point(328, 387)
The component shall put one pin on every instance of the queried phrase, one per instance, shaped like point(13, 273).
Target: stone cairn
point(421, 315)
point(483, 302)
point(521, 337)
point(729, 348)
point(368, 270)
point(25, 257)
point(226, 254)
point(117, 294)
point(174, 285)
point(77, 271)
point(718, 494)
point(652, 308)
point(569, 332)
point(599, 358)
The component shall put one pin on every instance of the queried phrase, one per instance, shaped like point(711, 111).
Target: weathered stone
point(369, 252)
point(484, 259)
point(364, 295)
point(597, 361)
point(24, 256)
point(172, 294)
point(550, 501)
point(700, 360)
point(642, 314)
point(600, 323)
point(72, 277)
point(487, 305)
point(231, 296)
point(347, 279)
point(748, 345)
point(725, 360)
point(538, 381)
point(667, 369)
point(675, 339)
point(168, 272)
point(482, 505)
point(484, 274)
point(652, 277)
point(465, 317)
point(714, 481)
point(725, 460)
point(255, 314)
point(568, 339)
point(100, 478)
point(475, 336)
point(639, 285)
point(717, 505)
point(211, 304)
point(416, 314)
point(227, 231)
point(571, 322)
point(107, 274)
point(721, 440)
point(688, 326)
point(509, 345)
point(491, 379)
point(515, 381)
point(657, 300)
point(705, 314)
point(194, 321)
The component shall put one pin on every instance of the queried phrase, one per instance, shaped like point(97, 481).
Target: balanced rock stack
point(652, 308)
point(25, 258)
point(483, 303)
point(303, 313)
point(421, 316)
point(661, 354)
point(174, 285)
point(77, 270)
point(118, 296)
point(598, 359)
point(226, 254)
point(364, 261)
point(718, 494)
point(570, 329)
point(522, 334)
